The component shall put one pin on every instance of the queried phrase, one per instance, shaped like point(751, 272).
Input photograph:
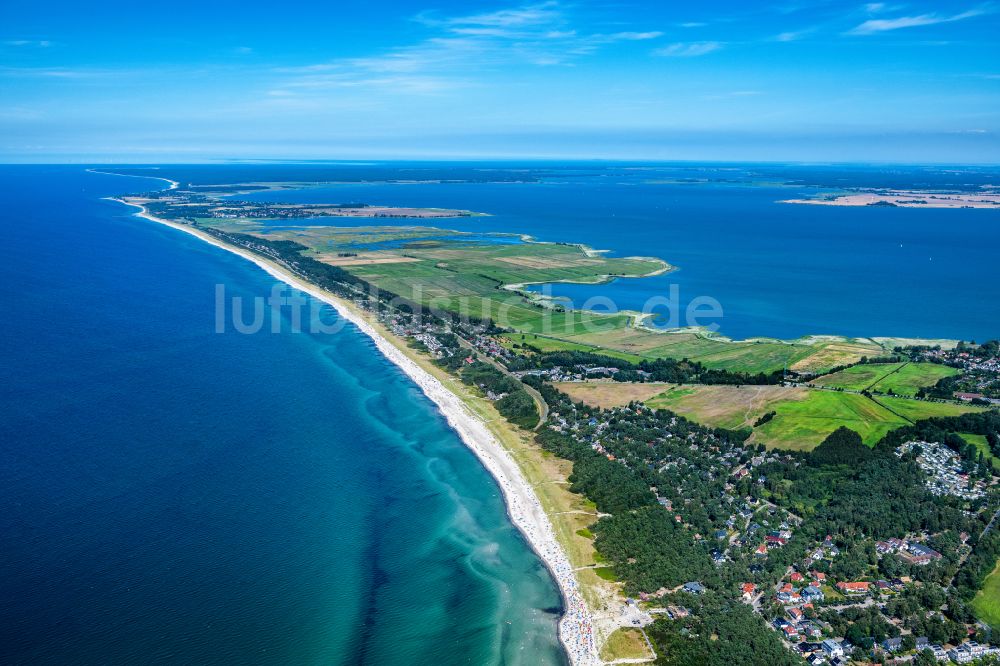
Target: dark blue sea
point(170, 494)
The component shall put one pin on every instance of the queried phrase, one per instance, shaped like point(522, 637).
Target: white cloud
point(791, 36)
point(37, 43)
point(635, 36)
point(54, 72)
point(460, 49)
point(509, 23)
point(874, 26)
point(688, 49)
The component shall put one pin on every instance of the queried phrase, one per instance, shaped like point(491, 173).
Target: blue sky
point(782, 80)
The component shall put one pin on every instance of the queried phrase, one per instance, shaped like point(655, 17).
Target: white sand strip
point(525, 511)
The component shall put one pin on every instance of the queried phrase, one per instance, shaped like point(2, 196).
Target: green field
point(723, 406)
point(986, 603)
point(805, 423)
point(803, 417)
point(857, 377)
point(552, 345)
point(915, 410)
point(901, 378)
point(914, 376)
point(979, 441)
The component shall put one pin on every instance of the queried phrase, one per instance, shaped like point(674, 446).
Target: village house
point(832, 648)
point(971, 651)
point(853, 588)
point(812, 593)
point(918, 553)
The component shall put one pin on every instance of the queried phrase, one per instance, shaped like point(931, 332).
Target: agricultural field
point(914, 376)
point(553, 344)
point(752, 355)
point(803, 417)
point(914, 410)
point(832, 352)
point(803, 424)
point(902, 378)
point(610, 394)
point(857, 377)
point(986, 603)
point(725, 406)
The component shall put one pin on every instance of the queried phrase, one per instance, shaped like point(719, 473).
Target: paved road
point(968, 552)
point(992, 522)
point(543, 407)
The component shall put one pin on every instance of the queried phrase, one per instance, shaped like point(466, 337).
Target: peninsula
point(659, 475)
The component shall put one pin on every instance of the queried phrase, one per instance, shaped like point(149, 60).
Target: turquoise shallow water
point(169, 494)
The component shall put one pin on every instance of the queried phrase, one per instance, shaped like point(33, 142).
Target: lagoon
point(778, 270)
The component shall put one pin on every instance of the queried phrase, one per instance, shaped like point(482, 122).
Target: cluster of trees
point(944, 429)
point(516, 405)
point(857, 493)
point(989, 349)
point(861, 626)
point(540, 360)
point(720, 632)
point(646, 547)
point(841, 447)
point(978, 566)
point(649, 551)
point(652, 370)
point(764, 419)
point(943, 389)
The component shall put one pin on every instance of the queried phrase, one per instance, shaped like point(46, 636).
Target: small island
point(985, 198)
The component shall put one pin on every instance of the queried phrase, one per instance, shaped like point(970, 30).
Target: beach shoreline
point(523, 507)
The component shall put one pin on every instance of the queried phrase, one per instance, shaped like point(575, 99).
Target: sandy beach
point(576, 626)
